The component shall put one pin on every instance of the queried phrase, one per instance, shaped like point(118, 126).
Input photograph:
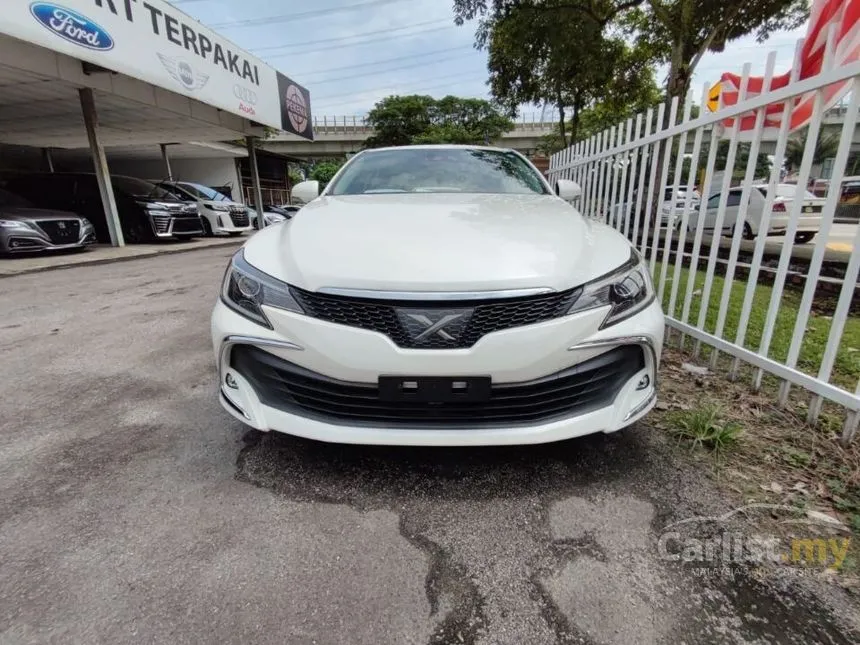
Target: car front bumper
point(512, 356)
point(20, 240)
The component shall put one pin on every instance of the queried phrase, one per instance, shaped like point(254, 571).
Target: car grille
point(239, 217)
point(161, 223)
point(187, 225)
point(405, 322)
point(64, 231)
point(582, 388)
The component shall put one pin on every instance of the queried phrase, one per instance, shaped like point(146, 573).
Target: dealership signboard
point(153, 41)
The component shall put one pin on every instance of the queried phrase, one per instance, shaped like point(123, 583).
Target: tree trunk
point(561, 125)
point(574, 122)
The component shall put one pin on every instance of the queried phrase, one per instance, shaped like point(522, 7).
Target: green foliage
point(676, 32)
point(742, 155)
point(706, 427)
point(404, 120)
point(825, 148)
point(324, 171)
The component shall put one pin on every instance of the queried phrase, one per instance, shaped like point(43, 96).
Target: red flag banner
point(845, 15)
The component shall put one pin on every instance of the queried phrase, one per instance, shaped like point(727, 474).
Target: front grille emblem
point(423, 325)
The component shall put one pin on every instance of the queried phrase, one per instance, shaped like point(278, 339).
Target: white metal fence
point(737, 308)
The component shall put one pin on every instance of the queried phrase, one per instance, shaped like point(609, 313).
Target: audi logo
point(244, 94)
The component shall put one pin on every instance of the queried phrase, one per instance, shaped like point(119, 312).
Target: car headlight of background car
point(628, 289)
point(246, 289)
point(217, 207)
point(11, 223)
point(273, 218)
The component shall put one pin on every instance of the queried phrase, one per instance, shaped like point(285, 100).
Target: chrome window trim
point(372, 294)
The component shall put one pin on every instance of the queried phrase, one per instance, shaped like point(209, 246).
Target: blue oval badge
point(71, 26)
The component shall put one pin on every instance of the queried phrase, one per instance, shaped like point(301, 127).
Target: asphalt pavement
point(134, 510)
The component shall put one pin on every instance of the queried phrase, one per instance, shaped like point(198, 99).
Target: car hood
point(19, 213)
point(437, 242)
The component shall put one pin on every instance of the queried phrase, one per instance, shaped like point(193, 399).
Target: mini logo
point(297, 108)
point(61, 225)
point(244, 94)
point(425, 325)
point(183, 72)
point(72, 26)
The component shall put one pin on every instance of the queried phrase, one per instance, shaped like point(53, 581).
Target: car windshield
point(202, 192)
point(140, 188)
point(12, 200)
point(438, 170)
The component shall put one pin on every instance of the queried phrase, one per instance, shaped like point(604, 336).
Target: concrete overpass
point(336, 136)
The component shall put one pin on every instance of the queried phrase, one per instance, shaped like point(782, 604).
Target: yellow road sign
point(714, 97)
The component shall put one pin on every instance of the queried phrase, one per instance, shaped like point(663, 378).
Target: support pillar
point(255, 181)
point(48, 159)
point(91, 121)
point(166, 158)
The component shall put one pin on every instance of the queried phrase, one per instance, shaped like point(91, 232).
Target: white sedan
point(437, 295)
point(808, 223)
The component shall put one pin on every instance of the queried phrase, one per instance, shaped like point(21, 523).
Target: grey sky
point(351, 53)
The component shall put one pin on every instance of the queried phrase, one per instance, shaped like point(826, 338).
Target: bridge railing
point(344, 124)
point(745, 319)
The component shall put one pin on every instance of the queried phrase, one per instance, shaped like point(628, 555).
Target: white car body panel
point(447, 242)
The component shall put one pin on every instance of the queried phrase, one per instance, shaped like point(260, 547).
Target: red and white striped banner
point(845, 15)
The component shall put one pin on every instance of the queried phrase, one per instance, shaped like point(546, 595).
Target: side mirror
point(568, 190)
point(306, 191)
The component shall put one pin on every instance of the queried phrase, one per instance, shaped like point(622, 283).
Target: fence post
point(721, 210)
point(775, 174)
point(634, 158)
point(791, 230)
point(743, 207)
point(685, 214)
point(664, 172)
point(645, 154)
point(652, 177)
point(676, 183)
point(827, 215)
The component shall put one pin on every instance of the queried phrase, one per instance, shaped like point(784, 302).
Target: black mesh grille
point(239, 218)
point(585, 387)
point(407, 322)
point(64, 231)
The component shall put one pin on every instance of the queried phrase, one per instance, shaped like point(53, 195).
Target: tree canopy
point(404, 120)
point(677, 32)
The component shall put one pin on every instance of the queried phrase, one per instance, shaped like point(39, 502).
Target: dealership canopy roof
point(157, 75)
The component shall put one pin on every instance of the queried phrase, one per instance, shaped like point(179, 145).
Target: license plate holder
point(434, 389)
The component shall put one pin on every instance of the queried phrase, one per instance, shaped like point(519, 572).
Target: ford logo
point(71, 26)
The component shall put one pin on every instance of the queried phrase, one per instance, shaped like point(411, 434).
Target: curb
point(146, 254)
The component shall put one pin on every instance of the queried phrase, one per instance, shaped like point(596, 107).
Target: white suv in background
point(217, 212)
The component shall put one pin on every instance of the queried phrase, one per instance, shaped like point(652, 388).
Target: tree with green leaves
point(405, 120)
point(825, 148)
point(324, 171)
point(676, 32)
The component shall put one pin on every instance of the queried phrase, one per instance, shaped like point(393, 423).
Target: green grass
point(846, 369)
point(706, 427)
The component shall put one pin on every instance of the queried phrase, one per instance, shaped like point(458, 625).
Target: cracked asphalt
point(134, 510)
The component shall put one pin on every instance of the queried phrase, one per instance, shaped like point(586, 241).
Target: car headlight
point(628, 289)
point(217, 207)
point(86, 224)
point(12, 223)
point(274, 218)
point(246, 289)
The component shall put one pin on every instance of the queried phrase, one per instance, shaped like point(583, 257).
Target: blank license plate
point(434, 389)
